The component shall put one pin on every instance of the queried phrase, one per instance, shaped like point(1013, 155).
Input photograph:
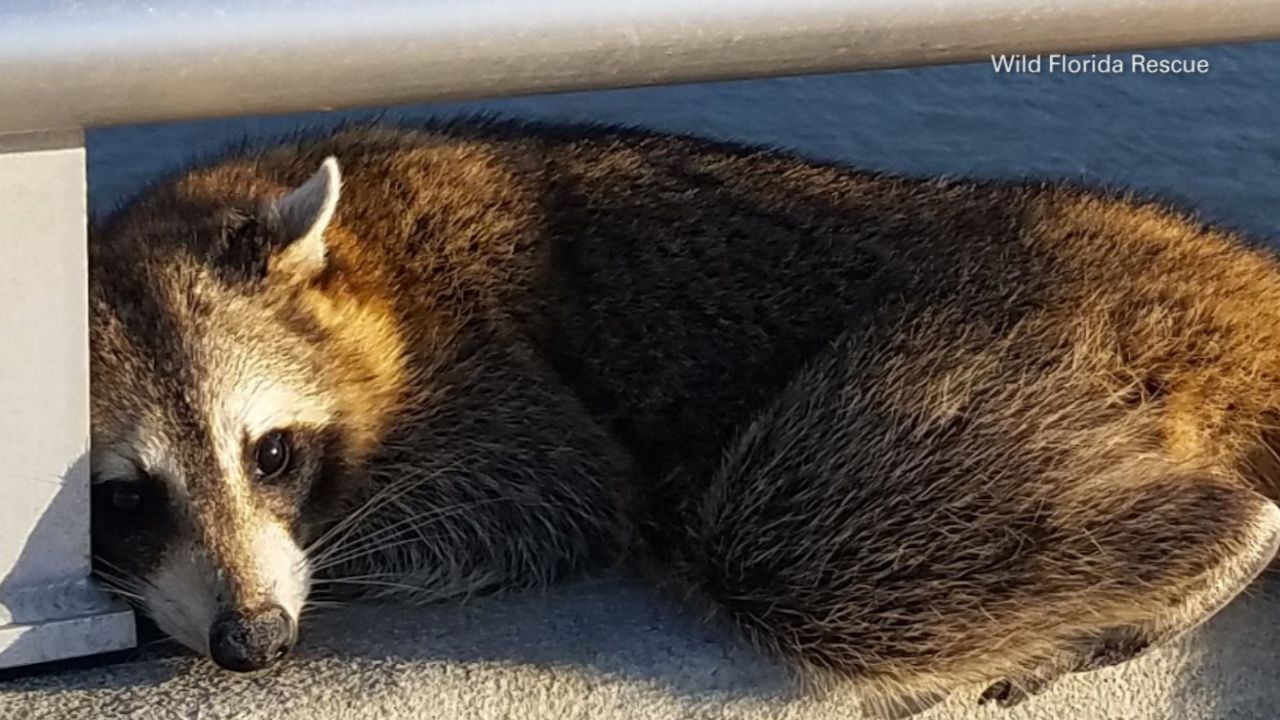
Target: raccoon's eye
point(272, 454)
point(125, 498)
point(121, 495)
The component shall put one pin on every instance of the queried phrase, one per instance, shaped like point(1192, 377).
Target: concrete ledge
point(606, 649)
point(109, 627)
point(53, 621)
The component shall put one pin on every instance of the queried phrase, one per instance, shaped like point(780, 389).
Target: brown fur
point(917, 433)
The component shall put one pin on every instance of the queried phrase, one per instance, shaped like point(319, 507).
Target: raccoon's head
point(239, 378)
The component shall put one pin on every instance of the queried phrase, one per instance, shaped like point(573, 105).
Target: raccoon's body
point(915, 433)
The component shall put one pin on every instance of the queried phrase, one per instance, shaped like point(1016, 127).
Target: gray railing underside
point(72, 64)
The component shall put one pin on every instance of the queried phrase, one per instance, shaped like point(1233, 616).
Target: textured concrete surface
point(606, 649)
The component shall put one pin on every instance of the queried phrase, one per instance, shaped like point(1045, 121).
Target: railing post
point(49, 608)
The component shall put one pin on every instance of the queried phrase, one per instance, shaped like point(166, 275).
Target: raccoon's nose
point(251, 640)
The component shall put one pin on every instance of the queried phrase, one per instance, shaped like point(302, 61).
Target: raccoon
point(916, 434)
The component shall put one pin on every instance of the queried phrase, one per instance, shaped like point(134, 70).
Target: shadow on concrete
point(609, 627)
point(58, 534)
point(605, 628)
point(1233, 660)
point(608, 637)
point(53, 532)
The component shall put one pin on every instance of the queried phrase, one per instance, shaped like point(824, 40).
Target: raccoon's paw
point(1114, 646)
point(1111, 646)
point(1235, 551)
point(1009, 692)
point(1104, 648)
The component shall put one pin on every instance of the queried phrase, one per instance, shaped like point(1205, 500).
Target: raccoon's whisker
point(406, 479)
point(105, 568)
point(335, 541)
point(385, 542)
point(374, 582)
point(163, 640)
point(312, 609)
point(103, 562)
point(117, 590)
point(107, 574)
point(414, 519)
point(98, 560)
point(112, 573)
point(116, 586)
point(41, 477)
point(385, 494)
point(324, 604)
point(365, 576)
point(346, 522)
point(120, 585)
point(368, 550)
point(411, 523)
point(366, 547)
point(417, 528)
point(344, 525)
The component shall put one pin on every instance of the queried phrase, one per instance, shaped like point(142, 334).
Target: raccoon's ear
point(303, 215)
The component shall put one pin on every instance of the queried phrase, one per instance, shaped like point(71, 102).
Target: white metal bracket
point(49, 607)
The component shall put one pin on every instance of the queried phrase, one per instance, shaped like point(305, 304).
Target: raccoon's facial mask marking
point(132, 520)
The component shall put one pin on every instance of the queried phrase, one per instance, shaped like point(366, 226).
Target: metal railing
point(66, 65)
point(71, 64)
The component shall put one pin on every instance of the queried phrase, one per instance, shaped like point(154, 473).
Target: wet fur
point(915, 433)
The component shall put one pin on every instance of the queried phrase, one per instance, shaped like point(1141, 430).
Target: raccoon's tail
point(869, 535)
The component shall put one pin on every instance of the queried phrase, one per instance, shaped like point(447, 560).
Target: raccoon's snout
point(245, 641)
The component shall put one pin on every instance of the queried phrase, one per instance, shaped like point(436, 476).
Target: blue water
point(1207, 141)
